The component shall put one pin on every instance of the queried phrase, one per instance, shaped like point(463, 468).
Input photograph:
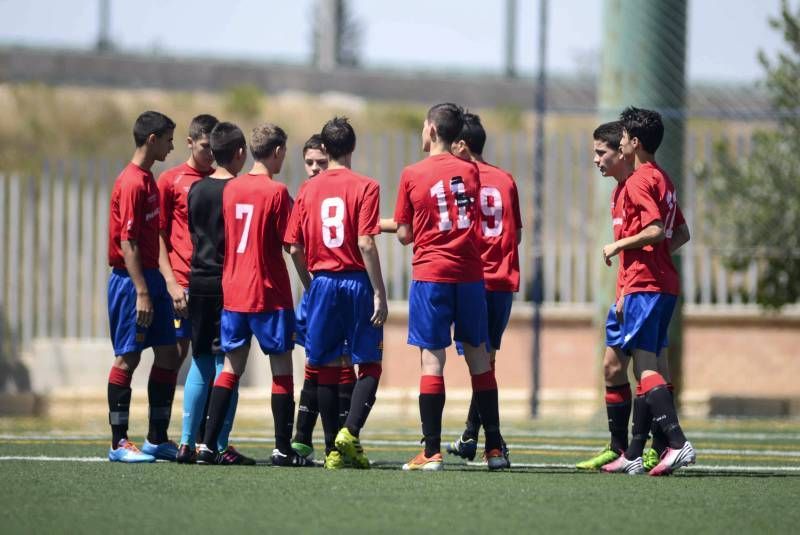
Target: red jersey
point(173, 186)
point(438, 197)
point(649, 196)
point(255, 210)
point(133, 216)
point(500, 225)
point(329, 215)
point(617, 218)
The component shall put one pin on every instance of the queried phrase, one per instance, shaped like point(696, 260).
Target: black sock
point(363, 397)
point(660, 441)
point(641, 428)
point(618, 409)
point(328, 403)
point(484, 390)
point(662, 406)
point(119, 403)
point(431, 407)
point(283, 411)
point(160, 393)
point(473, 421)
point(347, 382)
point(307, 412)
point(201, 430)
point(218, 404)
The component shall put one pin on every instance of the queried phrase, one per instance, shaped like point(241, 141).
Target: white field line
point(46, 458)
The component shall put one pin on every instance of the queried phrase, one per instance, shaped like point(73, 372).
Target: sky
point(723, 35)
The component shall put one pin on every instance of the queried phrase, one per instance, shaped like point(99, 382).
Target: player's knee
point(167, 357)
point(127, 362)
point(370, 369)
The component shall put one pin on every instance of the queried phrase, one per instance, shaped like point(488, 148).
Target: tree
point(756, 200)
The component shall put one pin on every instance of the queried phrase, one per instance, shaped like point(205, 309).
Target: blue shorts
point(126, 336)
point(498, 309)
point(273, 330)
point(300, 323)
point(340, 306)
point(645, 321)
point(183, 326)
point(433, 307)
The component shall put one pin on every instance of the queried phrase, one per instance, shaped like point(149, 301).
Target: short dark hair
point(226, 138)
point(611, 133)
point(265, 139)
point(314, 142)
point(151, 122)
point(338, 137)
point(202, 125)
point(645, 125)
point(448, 118)
point(472, 133)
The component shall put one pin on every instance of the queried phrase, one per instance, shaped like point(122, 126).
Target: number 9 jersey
point(330, 213)
point(256, 210)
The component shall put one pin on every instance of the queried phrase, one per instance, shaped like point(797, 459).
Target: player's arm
point(298, 253)
point(372, 263)
point(133, 263)
point(679, 238)
point(404, 233)
point(651, 234)
point(388, 225)
point(175, 290)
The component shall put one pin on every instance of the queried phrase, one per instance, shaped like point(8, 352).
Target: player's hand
point(619, 307)
point(381, 311)
point(144, 310)
point(179, 301)
point(610, 251)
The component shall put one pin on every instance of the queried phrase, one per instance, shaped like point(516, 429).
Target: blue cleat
point(166, 451)
point(466, 449)
point(127, 452)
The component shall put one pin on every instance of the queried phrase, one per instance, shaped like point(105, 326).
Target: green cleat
point(334, 461)
point(650, 459)
point(606, 456)
point(351, 449)
point(303, 450)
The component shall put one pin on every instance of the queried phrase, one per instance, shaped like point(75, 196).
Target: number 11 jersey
point(331, 211)
point(438, 197)
point(256, 210)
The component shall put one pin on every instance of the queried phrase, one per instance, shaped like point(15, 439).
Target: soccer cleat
point(186, 454)
point(606, 456)
point(303, 450)
point(650, 459)
point(206, 455)
point(166, 451)
point(466, 449)
point(127, 452)
point(231, 457)
point(624, 466)
point(351, 449)
point(334, 460)
point(290, 459)
point(672, 459)
point(496, 459)
point(427, 464)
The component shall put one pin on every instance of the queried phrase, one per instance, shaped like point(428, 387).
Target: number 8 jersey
point(331, 211)
point(438, 197)
point(256, 210)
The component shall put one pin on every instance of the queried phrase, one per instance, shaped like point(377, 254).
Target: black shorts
point(205, 313)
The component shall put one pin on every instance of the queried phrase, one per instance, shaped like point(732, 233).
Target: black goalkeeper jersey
point(207, 230)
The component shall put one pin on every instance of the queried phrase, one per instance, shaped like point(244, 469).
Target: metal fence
point(53, 258)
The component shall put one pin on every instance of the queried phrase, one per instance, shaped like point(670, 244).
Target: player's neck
point(142, 159)
point(260, 168)
point(341, 163)
point(222, 173)
point(439, 148)
point(643, 158)
point(478, 158)
point(196, 166)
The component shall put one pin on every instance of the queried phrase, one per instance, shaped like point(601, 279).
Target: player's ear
point(432, 132)
point(151, 139)
point(278, 150)
point(322, 147)
point(189, 142)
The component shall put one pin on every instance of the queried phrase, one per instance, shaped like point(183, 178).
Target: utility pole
point(327, 40)
point(511, 38)
point(104, 33)
point(644, 65)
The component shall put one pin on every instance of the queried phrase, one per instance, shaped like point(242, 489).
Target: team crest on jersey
point(177, 323)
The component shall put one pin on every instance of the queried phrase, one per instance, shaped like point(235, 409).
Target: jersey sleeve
point(293, 233)
point(679, 219)
point(283, 210)
point(643, 199)
point(404, 210)
point(369, 214)
point(515, 211)
point(131, 212)
point(167, 201)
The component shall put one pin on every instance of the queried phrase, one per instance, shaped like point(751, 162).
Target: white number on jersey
point(672, 208)
point(333, 225)
point(243, 210)
point(491, 210)
point(459, 192)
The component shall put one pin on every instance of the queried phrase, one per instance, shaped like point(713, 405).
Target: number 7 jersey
point(255, 210)
point(331, 211)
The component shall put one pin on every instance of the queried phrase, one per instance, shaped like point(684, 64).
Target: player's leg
point(660, 443)
point(282, 403)
point(307, 410)
point(347, 382)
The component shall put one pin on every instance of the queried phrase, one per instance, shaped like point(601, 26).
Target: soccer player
point(436, 210)
point(330, 234)
point(652, 228)
point(314, 160)
point(205, 292)
point(139, 307)
point(500, 237)
point(257, 296)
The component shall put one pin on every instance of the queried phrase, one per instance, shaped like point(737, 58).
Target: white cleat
point(672, 459)
point(623, 466)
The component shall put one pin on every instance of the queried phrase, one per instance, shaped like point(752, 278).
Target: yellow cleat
point(351, 449)
point(334, 461)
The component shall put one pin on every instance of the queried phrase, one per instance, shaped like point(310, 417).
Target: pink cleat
point(672, 459)
point(623, 466)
